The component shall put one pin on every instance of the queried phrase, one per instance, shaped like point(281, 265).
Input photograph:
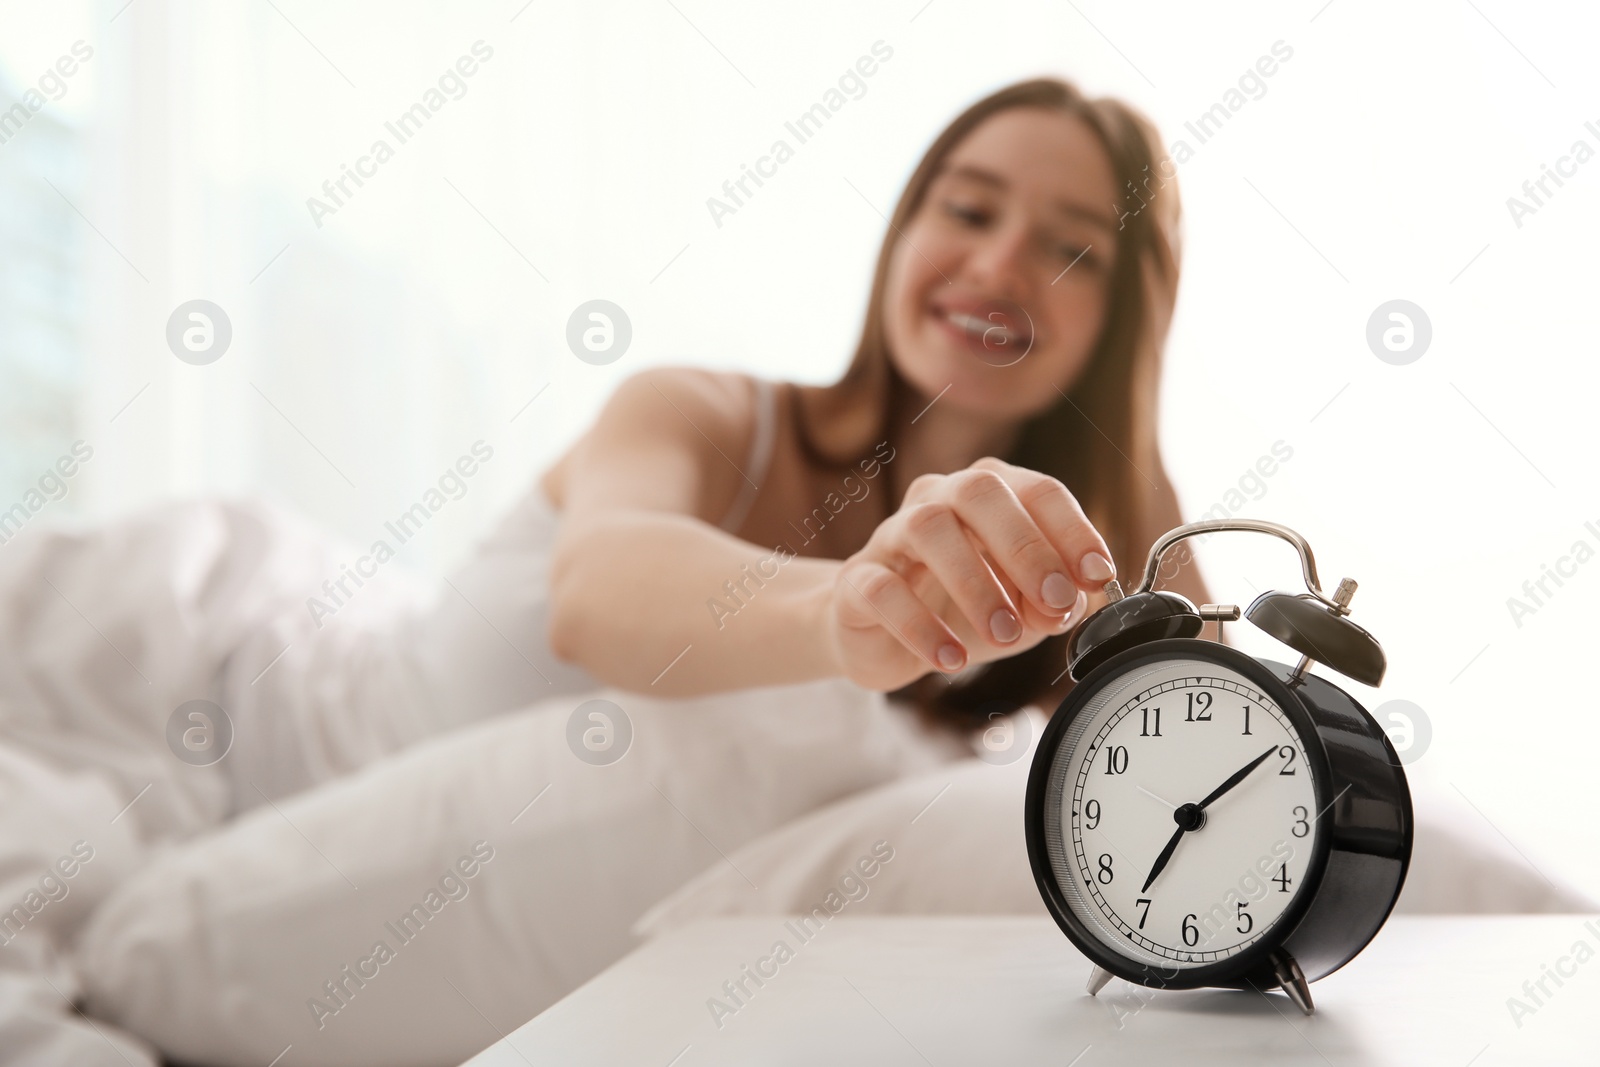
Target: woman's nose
point(1000, 263)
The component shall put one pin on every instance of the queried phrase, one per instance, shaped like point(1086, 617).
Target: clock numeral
point(1143, 902)
point(1301, 827)
point(1116, 759)
point(1246, 921)
point(1283, 878)
point(1105, 874)
point(1091, 811)
point(1191, 932)
point(1288, 754)
point(1246, 720)
point(1199, 708)
point(1146, 731)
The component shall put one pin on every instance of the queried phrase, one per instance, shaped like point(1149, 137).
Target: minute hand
point(1238, 776)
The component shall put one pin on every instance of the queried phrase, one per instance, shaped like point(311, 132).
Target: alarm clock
point(1196, 816)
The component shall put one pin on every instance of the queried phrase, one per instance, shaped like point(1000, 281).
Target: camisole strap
point(759, 458)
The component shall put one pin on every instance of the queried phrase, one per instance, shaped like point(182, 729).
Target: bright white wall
point(1376, 166)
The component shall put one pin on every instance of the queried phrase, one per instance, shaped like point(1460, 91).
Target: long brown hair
point(1100, 440)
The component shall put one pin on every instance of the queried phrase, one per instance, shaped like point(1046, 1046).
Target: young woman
point(936, 520)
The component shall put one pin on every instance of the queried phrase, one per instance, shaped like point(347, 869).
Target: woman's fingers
point(943, 545)
point(978, 564)
point(1013, 539)
point(1038, 624)
point(1066, 622)
point(1058, 518)
point(877, 596)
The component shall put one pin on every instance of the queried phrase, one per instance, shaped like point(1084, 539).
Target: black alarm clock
point(1199, 817)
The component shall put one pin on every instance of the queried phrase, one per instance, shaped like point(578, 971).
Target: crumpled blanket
point(161, 677)
point(105, 633)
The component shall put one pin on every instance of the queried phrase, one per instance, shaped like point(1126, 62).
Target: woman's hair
point(1100, 439)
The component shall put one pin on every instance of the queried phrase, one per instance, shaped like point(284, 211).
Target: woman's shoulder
point(723, 406)
point(697, 384)
point(669, 421)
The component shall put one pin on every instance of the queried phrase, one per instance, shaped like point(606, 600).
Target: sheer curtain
point(353, 377)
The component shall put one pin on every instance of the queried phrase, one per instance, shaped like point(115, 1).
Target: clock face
point(1180, 815)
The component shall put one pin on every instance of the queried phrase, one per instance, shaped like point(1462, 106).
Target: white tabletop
point(1000, 990)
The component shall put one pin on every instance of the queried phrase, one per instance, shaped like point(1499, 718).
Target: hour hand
point(1166, 854)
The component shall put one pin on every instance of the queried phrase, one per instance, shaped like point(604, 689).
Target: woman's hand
point(975, 566)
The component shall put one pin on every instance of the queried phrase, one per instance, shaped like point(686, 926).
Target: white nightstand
point(1002, 990)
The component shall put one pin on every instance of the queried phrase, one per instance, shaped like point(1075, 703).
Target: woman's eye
point(1080, 255)
point(973, 216)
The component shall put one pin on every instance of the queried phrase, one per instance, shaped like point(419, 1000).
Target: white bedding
point(222, 951)
point(228, 880)
point(103, 633)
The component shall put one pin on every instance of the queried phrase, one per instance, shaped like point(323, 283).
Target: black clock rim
point(1253, 961)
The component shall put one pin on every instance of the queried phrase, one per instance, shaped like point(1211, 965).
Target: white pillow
point(967, 853)
point(947, 842)
point(537, 862)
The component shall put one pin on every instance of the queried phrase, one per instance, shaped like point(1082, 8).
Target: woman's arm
point(975, 565)
point(639, 562)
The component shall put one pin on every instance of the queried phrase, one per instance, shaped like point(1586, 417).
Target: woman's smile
point(994, 329)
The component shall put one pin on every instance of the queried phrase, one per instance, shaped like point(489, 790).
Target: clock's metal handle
point(1308, 563)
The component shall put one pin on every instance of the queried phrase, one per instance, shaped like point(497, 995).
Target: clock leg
point(1292, 980)
point(1098, 979)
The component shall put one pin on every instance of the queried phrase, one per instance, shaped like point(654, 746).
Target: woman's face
point(999, 285)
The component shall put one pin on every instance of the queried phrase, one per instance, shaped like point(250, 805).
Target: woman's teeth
point(980, 327)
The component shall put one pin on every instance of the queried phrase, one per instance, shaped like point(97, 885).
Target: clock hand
point(1166, 854)
point(1193, 816)
point(1240, 775)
